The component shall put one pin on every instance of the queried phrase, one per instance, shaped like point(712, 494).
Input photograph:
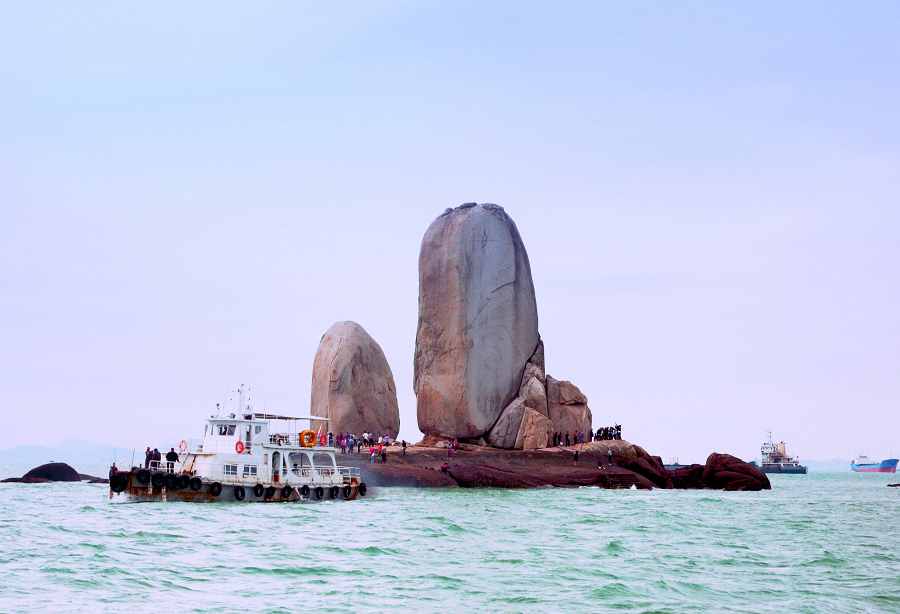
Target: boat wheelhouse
point(246, 457)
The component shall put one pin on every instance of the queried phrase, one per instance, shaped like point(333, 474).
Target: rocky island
point(480, 378)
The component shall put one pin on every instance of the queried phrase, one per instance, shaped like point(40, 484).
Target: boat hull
point(885, 466)
point(798, 470)
point(135, 492)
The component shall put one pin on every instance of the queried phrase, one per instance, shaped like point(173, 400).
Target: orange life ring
point(182, 447)
point(239, 447)
point(307, 439)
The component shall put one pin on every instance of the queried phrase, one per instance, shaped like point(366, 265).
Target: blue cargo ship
point(862, 464)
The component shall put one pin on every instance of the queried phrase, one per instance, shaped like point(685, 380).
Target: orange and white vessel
point(245, 457)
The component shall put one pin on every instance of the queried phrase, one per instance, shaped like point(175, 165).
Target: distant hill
point(833, 464)
point(72, 450)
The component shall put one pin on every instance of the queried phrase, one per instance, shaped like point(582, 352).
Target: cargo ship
point(776, 460)
point(862, 464)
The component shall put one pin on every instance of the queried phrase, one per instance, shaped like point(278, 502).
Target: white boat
point(247, 457)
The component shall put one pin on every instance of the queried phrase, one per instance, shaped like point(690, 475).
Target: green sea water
point(827, 542)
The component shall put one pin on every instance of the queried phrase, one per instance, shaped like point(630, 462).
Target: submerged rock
point(352, 383)
point(51, 472)
point(478, 322)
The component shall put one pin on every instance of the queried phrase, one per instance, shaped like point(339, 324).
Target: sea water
point(826, 542)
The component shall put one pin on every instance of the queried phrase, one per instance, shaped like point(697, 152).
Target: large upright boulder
point(478, 322)
point(352, 383)
point(567, 407)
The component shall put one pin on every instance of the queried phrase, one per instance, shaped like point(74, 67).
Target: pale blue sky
point(708, 192)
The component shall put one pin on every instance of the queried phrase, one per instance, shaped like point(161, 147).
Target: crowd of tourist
point(606, 433)
point(377, 445)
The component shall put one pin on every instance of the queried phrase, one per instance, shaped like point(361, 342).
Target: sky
point(191, 195)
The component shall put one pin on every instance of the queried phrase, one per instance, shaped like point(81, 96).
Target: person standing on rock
point(404, 447)
point(383, 456)
point(609, 457)
point(581, 437)
point(372, 454)
point(359, 445)
point(567, 439)
point(576, 459)
point(449, 452)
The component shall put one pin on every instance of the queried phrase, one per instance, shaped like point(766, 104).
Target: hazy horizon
point(192, 195)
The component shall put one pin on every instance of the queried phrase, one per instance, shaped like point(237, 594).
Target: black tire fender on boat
point(158, 479)
point(215, 489)
point(348, 491)
point(304, 491)
point(196, 483)
point(270, 492)
point(333, 492)
point(258, 490)
point(362, 489)
point(239, 493)
point(171, 481)
point(286, 492)
point(142, 476)
point(320, 492)
point(184, 481)
point(118, 482)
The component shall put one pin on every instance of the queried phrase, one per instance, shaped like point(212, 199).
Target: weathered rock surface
point(51, 472)
point(352, 383)
point(478, 466)
point(532, 390)
point(506, 431)
point(478, 322)
point(722, 469)
point(567, 407)
point(535, 430)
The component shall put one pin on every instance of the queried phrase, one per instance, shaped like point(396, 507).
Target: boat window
point(231, 429)
point(223, 429)
point(258, 430)
point(230, 470)
point(322, 461)
point(249, 471)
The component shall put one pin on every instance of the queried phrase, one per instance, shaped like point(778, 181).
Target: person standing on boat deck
point(171, 459)
point(148, 456)
point(155, 459)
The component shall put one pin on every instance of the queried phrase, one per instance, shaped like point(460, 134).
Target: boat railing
point(165, 466)
point(350, 472)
